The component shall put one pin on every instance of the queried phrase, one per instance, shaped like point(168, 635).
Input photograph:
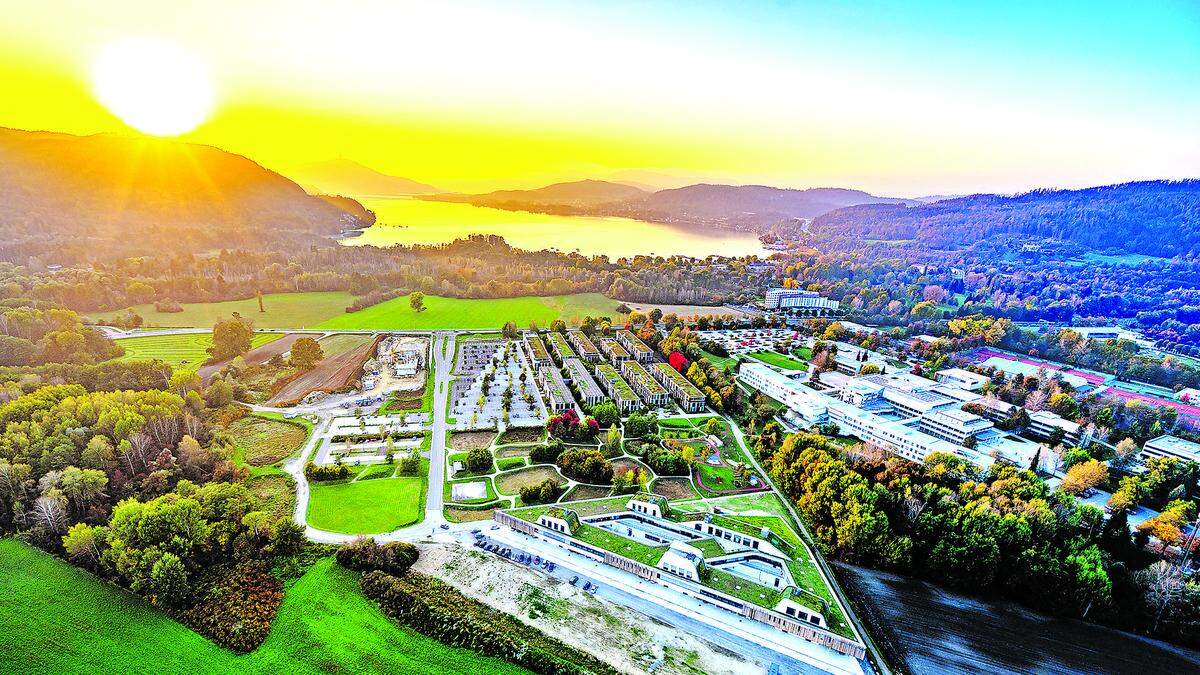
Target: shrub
point(544, 492)
point(546, 454)
point(365, 555)
point(238, 609)
point(411, 465)
point(327, 472)
point(587, 465)
point(168, 306)
point(479, 459)
point(667, 461)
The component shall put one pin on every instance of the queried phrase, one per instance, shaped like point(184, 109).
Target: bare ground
point(674, 488)
point(332, 374)
point(627, 640)
point(471, 439)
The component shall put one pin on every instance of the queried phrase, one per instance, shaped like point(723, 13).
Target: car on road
point(445, 526)
point(574, 579)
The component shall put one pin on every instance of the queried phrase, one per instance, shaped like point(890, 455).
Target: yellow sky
point(475, 96)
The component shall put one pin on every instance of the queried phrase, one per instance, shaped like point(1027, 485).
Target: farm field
point(778, 360)
point(686, 311)
point(367, 506)
point(333, 345)
point(441, 312)
point(67, 621)
point(178, 350)
point(264, 441)
point(330, 374)
point(283, 310)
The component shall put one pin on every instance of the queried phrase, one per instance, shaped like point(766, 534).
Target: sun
point(154, 86)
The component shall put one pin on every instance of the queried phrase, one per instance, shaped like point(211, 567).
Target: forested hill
point(574, 193)
point(66, 197)
point(757, 204)
point(1156, 218)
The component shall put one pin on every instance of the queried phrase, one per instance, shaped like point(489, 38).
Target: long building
point(1170, 446)
point(538, 355)
point(652, 392)
point(589, 392)
point(617, 388)
point(554, 389)
point(560, 346)
point(636, 348)
point(614, 351)
point(586, 348)
point(686, 394)
point(795, 298)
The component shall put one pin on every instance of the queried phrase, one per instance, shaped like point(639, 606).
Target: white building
point(1170, 446)
point(795, 298)
point(1043, 423)
point(963, 379)
point(954, 425)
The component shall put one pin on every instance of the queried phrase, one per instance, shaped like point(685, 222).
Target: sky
point(904, 98)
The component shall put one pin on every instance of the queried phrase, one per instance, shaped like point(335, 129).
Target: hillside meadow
point(56, 618)
point(466, 314)
point(282, 310)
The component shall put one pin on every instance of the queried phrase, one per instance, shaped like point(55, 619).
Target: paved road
point(443, 355)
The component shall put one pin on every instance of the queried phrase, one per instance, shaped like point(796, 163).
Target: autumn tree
point(416, 300)
point(231, 338)
point(306, 353)
point(1084, 476)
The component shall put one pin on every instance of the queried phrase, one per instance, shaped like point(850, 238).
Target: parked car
point(574, 579)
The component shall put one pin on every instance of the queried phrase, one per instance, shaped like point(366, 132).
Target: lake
point(415, 221)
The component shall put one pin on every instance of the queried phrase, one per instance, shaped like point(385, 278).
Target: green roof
point(622, 546)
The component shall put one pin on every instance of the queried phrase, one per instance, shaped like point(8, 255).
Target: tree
point(510, 330)
point(168, 581)
point(84, 542)
point(606, 414)
point(183, 381)
point(306, 353)
point(613, 441)
point(81, 486)
point(1084, 476)
point(416, 300)
point(230, 338)
point(479, 459)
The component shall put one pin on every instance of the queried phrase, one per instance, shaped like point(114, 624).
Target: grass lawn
point(718, 361)
point(716, 477)
point(441, 312)
point(367, 506)
point(59, 619)
point(340, 344)
point(263, 441)
point(177, 350)
point(778, 360)
point(511, 482)
point(283, 310)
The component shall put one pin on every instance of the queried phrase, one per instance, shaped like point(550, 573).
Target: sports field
point(56, 618)
point(369, 506)
point(283, 310)
point(178, 350)
point(443, 312)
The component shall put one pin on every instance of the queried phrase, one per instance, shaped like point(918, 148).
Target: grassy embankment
point(371, 504)
point(56, 618)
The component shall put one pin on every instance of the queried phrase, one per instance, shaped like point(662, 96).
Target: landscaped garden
point(511, 482)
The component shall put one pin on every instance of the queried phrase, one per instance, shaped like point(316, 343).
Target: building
point(538, 355)
point(554, 389)
point(1170, 446)
point(644, 385)
point(1043, 423)
point(954, 425)
point(560, 346)
point(795, 298)
point(962, 378)
point(587, 349)
point(618, 389)
point(686, 394)
point(613, 350)
point(850, 359)
point(636, 348)
point(585, 386)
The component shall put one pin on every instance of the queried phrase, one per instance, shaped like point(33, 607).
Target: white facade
point(795, 298)
point(1170, 446)
point(962, 378)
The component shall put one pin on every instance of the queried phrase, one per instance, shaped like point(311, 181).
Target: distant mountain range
point(347, 177)
point(738, 206)
point(65, 196)
point(1154, 218)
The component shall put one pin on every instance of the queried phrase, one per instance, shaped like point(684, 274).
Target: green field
point(178, 350)
point(778, 360)
point(718, 361)
point(58, 619)
point(263, 441)
point(474, 314)
point(283, 310)
point(367, 506)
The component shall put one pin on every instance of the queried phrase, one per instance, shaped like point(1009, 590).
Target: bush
point(606, 414)
point(237, 610)
point(586, 465)
point(546, 454)
point(479, 459)
point(667, 462)
point(544, 492)
point(365, 555)
point(438, 610)
point(327, 472)
point(411, 465)
point(639, 425)
point(168, 306)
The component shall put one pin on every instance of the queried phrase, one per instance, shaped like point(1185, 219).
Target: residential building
point(795, 298)
point(613, 350)
point(962, 378)
point(1170, 446)
point(589, 392)
point(587, 349)
point(644, 384)
point(635, 346)
point(538, 355)
point(554, 389)
point(686, 394)
point(617, 388)
point(560, 346)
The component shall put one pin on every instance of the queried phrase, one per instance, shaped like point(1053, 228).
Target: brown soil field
point(471, 439)
point(504, 453)
point(924, 628)
point(623, 465)
point(522, 436)
point(254, 356)
point(587, 492)
point(468, 516)
point(673, 488)
point(511, 483)
point(330, 375)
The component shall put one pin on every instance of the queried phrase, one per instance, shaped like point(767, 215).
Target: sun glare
point(154, 86)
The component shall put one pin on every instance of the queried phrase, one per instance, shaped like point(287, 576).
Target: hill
point(71, 197)
point(748, 205)
point(1155, 218)
point(347, 177)
point(579, 193)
